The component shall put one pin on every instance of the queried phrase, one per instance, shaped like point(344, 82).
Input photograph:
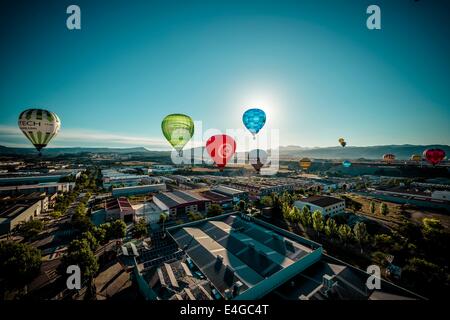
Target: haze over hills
point(369, 152)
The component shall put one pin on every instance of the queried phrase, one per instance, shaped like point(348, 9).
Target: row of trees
point(328, 227)
point(383, 209)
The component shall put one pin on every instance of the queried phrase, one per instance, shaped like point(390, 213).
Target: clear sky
point(312, 65)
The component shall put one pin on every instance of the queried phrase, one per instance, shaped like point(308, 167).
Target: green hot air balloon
point(178, 130)
point(39, 126)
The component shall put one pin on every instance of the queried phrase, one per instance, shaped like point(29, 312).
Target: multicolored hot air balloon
point(416, 157)
point(342, 142)
point(221, 148)
point(257, 158)
point(178, 130)
point(434, 156)
point(388, 157)
point(39, 126)
point(254, 120)
point(305, 163)
point(346, 163)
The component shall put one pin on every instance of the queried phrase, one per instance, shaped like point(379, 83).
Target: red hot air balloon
point(434, 156)
point(221, 148)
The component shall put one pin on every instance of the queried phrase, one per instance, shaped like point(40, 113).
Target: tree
point(384, 210)
point(372, 207)
point(345, 233)
point(91, 239)
point(361, 234)
point(305, 217)
point(162, 219)
point(286, 210)
point(117, 230)
point(141, 229)
point(80, 253)
point(295, 214)
point(30, 229)
point(214, 210)
point(100, 233)
point(331, 228)
point(81, 222)
point(317, 221)
point(266, 201)
point(425, 275)
point(242, 205)
point(55, 214)
point(383, 242)
point(19, 263)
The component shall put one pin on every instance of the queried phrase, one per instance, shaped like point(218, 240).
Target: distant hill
point(402, 152)
point(74, 150)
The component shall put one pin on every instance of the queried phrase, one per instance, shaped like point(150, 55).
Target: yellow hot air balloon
point(305, 163)
point(416, 157)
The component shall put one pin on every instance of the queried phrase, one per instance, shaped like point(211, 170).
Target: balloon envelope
point(221, 148)
point(305, 163)
point(389, 157)
point(416, 157)
point(341, 140)
point(257, 158)
point(178, 130)
point(254, 120)
point(434, 156)
point(343, 143)
point(39, 126)
point(346, 163)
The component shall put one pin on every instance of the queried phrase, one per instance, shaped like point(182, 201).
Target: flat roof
point(228, 249)
point(10, 211)
point(176, 198)
point(322, 201)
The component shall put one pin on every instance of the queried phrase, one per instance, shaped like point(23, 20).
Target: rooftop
point(176, 198)
point(321, 201)
point(228, 249)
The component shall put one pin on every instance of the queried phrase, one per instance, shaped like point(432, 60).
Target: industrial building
point(24, 178)
point(181, 202)
point(49, 188)
point(235, 194)
point(119, 209)
point(328, 206)
point(13, 213)
point(218, 198)
point(138, 190)
point(235, 256)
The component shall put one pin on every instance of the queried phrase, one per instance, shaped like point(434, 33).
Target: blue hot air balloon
point(254, 120)
point(346, 163)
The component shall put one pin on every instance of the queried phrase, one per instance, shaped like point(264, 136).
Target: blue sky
point(313, 66)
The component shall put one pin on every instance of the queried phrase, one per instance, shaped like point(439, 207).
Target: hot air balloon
point(434, 156)
point(39, 126)
point(305, 163)
point(416, 157)
point(254, 120)
point(178, 130)
point(389, 157)
point(346, 163)
point(257, 158)
point(221, 148)
point(342, 142)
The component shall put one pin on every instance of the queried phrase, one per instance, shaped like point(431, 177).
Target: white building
point(328, 206)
